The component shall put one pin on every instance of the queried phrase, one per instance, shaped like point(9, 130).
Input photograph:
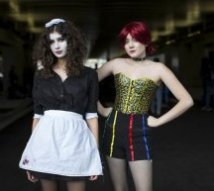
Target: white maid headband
point(54, 22)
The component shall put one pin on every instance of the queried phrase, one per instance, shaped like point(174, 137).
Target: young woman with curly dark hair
point(64, 140)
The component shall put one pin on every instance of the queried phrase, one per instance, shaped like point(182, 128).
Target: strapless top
point(133, 96)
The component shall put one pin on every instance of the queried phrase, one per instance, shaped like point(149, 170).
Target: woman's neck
point(61, 64)
point(138, 59)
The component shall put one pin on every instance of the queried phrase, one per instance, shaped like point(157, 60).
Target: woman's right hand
point(104, 111)
point(107, 111)
point(31, 178)
point(93, 178)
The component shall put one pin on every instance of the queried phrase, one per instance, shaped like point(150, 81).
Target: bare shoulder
point(109, 68)
point(158, 66)
point(116, 63)
point(113, 61)
point(118, 60)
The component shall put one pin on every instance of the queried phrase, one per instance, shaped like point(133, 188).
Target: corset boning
point(133, 96)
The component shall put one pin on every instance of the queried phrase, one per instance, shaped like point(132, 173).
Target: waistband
point(130, 112)
point(59, 113)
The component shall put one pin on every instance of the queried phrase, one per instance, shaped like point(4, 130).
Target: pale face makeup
point(134, 48)
point(58, 45)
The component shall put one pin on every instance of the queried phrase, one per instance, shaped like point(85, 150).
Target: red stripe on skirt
point(131, 147)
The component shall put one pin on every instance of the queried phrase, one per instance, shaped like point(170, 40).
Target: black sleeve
point(38, 109)
point(92, 92)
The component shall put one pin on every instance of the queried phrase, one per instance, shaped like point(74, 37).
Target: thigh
point(49, 185)
point(141, 171)
point(118, 173)
point(76, 185)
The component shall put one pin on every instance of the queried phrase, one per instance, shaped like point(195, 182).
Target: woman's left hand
point(152, 121)
point(93, 178)
point(31, 178)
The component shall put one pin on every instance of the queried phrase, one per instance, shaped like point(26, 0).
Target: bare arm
point(103, 72)
point(104, 111)
point(30, 177)
point(34, 123)
point(106, 69)
point(93, 126)
point(185, 101)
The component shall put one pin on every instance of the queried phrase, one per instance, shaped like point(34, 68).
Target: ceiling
point(101, 20)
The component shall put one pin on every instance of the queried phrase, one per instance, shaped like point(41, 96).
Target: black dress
point(62, 144)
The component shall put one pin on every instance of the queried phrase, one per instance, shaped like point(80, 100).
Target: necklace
point(139, 59)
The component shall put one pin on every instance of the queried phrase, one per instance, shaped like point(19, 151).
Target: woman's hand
point(152, 121)
point(104, 111)
point(107, 111)
point(93, 178)
point(31, 178)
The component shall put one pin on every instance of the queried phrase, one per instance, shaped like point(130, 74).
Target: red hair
point(139, 31)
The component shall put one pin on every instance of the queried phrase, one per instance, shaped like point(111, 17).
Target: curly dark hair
point(76, 49)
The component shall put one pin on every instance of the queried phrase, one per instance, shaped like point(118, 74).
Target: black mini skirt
point(127, 136)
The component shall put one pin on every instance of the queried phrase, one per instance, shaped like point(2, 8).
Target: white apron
point(62, 144)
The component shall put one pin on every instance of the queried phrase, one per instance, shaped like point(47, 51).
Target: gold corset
point(133, 96)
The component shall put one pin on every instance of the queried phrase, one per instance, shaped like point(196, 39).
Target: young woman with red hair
point(127, 136)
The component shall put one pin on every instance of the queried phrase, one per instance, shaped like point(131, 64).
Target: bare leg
point(118, 173)
point(142, 174)
point(76, 185)
point(49, 185)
